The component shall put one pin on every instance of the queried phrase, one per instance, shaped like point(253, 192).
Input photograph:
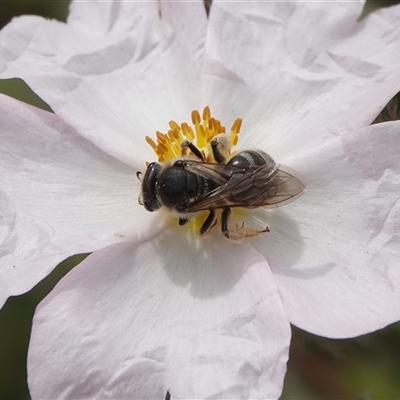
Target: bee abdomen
point(251, 157)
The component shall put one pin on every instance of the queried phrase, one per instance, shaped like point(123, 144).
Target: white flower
point(149, 312)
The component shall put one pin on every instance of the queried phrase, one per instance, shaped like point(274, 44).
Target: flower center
point(202, 131)
point(197, 173)
point(204, 128)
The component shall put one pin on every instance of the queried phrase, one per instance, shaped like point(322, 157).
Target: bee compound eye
point(149, 196)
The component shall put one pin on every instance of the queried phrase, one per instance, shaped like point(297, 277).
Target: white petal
point(335, 252)
point(201, 320)
point(116, 84)
point(292, 70)
point(59, 195)
point(112, 16)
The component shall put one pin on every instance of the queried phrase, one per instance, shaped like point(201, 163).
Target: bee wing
point(289, 186)
point(251, 186)
point(222, 173)
point(219, 173)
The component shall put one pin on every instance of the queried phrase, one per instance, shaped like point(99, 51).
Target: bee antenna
point(139, 175)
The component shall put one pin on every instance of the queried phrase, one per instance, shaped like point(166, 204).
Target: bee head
point(149, 197)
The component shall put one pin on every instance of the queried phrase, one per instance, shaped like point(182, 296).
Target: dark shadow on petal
point(205, 265)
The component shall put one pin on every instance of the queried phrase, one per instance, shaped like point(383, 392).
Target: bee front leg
point(208, 223)
point(185, 145)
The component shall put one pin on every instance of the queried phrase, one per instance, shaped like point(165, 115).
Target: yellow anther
point(233, 137)
point(187, 131)
point(220, 129)
point(237, 124)
point(195, 117)
point(206, 113)
point(215, 126)
point(211, 124)
point(171, 135)
point(173, 125)
point(177, 134)
point(151, 142)
point(161, 137)
point(162, 148)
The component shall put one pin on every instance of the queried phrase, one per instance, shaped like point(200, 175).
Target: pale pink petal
point(200, 320)
point(335, 252)
point(116, 72)
point(59, 195)
point(292, 70)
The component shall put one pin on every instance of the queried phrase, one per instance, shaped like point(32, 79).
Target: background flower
point(295, 103)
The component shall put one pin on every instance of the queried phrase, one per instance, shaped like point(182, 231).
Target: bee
point(249, 179)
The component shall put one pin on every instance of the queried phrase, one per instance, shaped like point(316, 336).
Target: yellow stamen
point(151, 142)
point(161, 138)
point(206, 113)
point(203, 129)
point(187, 131)
point(195, 117)
point(174, 126)
point(233, 137)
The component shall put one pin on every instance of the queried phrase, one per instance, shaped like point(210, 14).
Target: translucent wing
point(222, 173)
point(250, 186)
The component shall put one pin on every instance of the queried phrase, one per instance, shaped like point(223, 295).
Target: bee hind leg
point(241, 232)
point(224, 222)
point(208, 223)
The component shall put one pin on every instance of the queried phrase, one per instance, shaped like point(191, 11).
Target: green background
point(367, 367)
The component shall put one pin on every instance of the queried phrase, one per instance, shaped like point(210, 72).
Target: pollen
point(203, 128)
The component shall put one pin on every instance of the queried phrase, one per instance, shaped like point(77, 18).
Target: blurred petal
point(335, 251)
point(59, 195)
point(116, 72)
point(295, 69)
point(201, 320)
